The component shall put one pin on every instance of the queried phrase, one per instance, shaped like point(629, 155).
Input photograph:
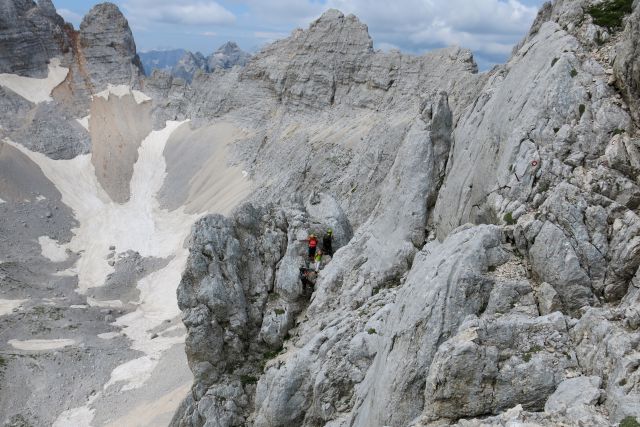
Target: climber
point(318, 260)
point(313, 245)
point(327, 243)
point(307, 279)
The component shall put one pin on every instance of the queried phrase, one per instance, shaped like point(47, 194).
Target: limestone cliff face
point(102, 52)
point(108, 48)
point(493, 267)
point(30, 34)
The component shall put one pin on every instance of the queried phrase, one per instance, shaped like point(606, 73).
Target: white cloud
point(209, 34)
point(189, 12)
point(270, 35)
point(289, 13)
point(70, 16)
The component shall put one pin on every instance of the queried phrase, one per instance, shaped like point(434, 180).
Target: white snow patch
point(109, 335)
point(139, 225)
point(40, 345)
point(79, 306)
point(104, 304)
point(36, 90)
point(69, 272)
point(84, 122)
point(2, 201)
point(8, 305)
point(52, 250)
point(122, 90)
point(134, 372)
point(77, 417)
point(40, 198)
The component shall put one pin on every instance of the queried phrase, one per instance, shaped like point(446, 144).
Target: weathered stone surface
point(30, 34)
point(227, 56)
point(118, 125)
point(574, 393)
point(108, 49)
point(188, 65)
point(627, 62)
point(555, 262)
point(462, 327)
point(548, 299)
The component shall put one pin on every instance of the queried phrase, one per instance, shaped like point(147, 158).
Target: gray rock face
point(118, 125)
point(49, 130)
point(227, 56)
point(102, 53)
point(188, 65)
point(108, 49)
point(529, 320)
point(627, 63)
point(238, 314)
point(30, 34)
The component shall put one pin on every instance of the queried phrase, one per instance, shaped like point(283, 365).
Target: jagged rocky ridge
point(186, 64)
point(531, 317)
point(101, 52)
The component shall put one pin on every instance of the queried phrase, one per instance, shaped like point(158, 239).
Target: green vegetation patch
point(278, 311)
point(610, 14)
point(581, 109)
point(629, 422)
point(272, 354)
point(573, 72)
point(508, 218)
point(371, 331)
point(248, 379)
point(533, 350)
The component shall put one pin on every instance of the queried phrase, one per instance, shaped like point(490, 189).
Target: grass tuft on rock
point(248, 379)
point(610, 13)
point(629, 422)
point(508, 218)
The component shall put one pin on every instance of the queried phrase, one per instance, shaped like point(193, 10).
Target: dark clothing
point(312, 252)
point(307, 277)
point(327, 242)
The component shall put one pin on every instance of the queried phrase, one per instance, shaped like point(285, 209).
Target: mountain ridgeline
point(184, 64)
point(486, 229)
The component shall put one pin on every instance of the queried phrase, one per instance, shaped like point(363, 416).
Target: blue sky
point(489, 27)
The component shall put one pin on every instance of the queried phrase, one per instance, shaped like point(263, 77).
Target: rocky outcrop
point(423, 318)
point(30, 34)
point(101, 53)
point(188, 65)
point(227, 56)
point(107, 48)
point(118, 123)
point(240, 297)
point(627, 63)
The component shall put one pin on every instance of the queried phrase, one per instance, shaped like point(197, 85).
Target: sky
point(490, 28)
